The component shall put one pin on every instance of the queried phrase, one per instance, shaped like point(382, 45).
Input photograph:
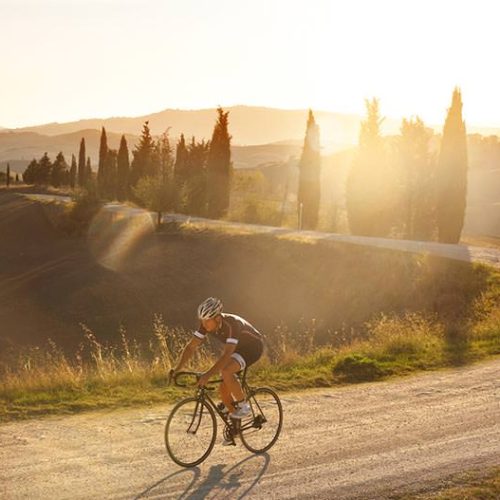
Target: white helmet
point(209, 308)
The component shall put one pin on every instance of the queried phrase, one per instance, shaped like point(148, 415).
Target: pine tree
point(59, 170)
point(8, 175)
point(164, 155)
point(44, 170)
point(82, 181)
point(31, 172)
point(219, 168)
point(143, 156)
point(451, 175)
point(123, 171)
point(371, 185)
point(73, 172)
point(309, 176)
point(101, 168)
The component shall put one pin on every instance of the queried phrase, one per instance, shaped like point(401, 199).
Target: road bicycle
point(191, 428)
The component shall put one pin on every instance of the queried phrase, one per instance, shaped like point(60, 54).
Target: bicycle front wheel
point(190, 432)
point(262, 428)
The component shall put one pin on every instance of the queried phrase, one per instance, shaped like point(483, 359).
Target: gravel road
point(379, 440)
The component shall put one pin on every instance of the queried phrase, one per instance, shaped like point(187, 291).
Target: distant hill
point(248, 125)
point(19, 148)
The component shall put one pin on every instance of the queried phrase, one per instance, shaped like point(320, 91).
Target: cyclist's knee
point(227, 373)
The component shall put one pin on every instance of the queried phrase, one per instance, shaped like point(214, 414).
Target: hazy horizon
point(316, 111)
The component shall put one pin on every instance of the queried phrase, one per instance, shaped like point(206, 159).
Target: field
point(118, 306)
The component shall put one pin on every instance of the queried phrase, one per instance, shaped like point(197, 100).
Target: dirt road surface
point(379, 440)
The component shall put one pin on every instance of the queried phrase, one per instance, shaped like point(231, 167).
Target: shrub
point(357, 368)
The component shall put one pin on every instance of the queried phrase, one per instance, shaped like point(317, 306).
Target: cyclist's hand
point(203, 380)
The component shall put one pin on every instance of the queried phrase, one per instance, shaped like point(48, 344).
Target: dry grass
point(43, 381)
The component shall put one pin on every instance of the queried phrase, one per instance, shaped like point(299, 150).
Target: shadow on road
point(154, 489)
point(235, 482)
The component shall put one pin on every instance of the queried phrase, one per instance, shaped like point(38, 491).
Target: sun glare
point(115, 232)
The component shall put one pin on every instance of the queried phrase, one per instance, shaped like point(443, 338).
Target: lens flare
point(115, 231)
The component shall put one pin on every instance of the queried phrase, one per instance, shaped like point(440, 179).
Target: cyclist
point(243, 347)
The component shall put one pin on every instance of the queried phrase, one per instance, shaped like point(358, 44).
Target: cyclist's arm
point(222, 361)
point(187, 352)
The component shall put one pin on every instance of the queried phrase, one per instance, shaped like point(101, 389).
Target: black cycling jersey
point(235, 330)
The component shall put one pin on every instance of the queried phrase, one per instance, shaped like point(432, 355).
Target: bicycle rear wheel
point(262, 428)
point(190, 432)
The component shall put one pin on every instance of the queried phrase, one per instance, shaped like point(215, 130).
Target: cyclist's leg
point(226, 397)
point(231, 386)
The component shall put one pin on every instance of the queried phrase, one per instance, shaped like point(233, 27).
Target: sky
point(64, 60)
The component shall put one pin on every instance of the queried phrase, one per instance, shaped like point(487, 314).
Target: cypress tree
point(417, 180)
point(196, 180)
point(73, 172)
point(451, 175)
point(181, 156)
point(309, 176)
point(101, 168)
point(371, 184)
point(180, 174)
point(110, 175)
point(123, 171)
point(8, 175)
point(89, 180)
point(219, 167)
point(81, 164)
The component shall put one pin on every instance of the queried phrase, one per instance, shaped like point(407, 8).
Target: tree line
point(394, 188)
point(194, 179)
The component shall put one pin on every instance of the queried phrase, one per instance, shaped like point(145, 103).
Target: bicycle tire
point(261, 430)
point(188, 420)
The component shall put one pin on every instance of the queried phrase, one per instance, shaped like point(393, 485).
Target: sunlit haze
point(65, 60)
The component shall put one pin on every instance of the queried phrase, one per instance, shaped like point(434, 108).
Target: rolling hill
point(50, 284)
point(248, 125)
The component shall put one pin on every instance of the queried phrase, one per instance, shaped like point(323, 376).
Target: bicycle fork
point(196, 419)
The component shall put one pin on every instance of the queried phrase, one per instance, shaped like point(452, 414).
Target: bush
point(357, 368)
point(257, 211)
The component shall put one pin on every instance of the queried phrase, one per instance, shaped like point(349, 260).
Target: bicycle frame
point(234, 425)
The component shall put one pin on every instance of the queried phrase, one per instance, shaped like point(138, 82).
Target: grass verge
point(47, 382)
